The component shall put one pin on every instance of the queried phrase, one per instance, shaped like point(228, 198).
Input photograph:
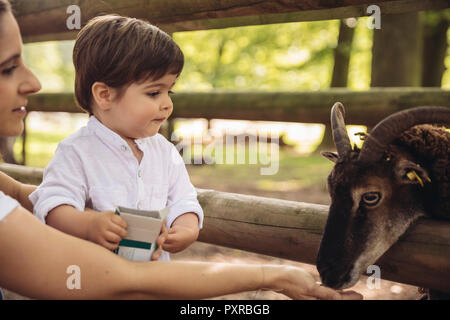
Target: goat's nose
point(328, 279)
point(334, 278)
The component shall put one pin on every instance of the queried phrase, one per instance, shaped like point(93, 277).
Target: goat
point(401, 173)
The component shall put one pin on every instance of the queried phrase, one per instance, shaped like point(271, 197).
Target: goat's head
point(376, 194)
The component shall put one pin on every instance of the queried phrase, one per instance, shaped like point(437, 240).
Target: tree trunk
point(396, 51)
point(342, 56)
point(434, 49)
point(340, 75)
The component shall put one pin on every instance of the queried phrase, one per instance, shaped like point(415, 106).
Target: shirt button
point(139, 205)
point(140, 173)
point(123, 148)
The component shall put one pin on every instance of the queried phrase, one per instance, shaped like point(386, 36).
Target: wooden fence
point(186, 15)
point(362, 107)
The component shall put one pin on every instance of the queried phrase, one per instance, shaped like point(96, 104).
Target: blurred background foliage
point(291, 56)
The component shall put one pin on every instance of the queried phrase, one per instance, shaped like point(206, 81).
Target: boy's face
point(142, 109)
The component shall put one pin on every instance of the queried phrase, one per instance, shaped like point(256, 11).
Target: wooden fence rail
point(44, 20)
point(362, 107)
point(293, 230)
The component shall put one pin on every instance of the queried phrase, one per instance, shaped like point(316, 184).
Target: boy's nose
point(30, 84)
point(167, 104)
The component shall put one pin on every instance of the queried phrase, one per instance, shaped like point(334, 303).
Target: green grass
point(294, 173)
point(40, 147)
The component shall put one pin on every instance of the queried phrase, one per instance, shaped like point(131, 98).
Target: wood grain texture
point(362, 107)
point(44, 20)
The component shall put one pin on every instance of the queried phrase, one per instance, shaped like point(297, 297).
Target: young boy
point(125, 70)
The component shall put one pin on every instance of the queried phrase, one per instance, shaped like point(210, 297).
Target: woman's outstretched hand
point(296, 283)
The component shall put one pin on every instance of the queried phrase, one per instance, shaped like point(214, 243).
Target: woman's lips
point(20, 110)
point(159, 120)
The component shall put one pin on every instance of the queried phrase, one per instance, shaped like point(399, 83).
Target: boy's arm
point(186, 215)
point(69, 220)
point(104, 228)
point(182, 197)
point(189, 220)
point(183, 233)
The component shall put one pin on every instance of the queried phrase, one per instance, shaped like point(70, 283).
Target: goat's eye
point(370, 199)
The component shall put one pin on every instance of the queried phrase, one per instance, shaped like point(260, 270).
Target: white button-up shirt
point(96, 168)
point(7, 205)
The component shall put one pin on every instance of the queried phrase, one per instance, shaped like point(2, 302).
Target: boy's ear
point(103, 95)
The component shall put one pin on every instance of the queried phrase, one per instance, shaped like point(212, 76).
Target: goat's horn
point(389, 129)
point(340, 136)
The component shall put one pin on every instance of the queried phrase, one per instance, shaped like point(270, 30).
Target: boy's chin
point(147, 134)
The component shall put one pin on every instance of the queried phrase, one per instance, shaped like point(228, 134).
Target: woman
point(35, 258)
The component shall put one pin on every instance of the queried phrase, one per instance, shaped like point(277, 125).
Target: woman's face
point(16, 80)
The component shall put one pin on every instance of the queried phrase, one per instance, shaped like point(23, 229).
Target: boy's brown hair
point(118, 51)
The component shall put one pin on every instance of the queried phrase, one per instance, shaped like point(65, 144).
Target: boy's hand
point(106, 229)
point(160, 241)
point(183, 233)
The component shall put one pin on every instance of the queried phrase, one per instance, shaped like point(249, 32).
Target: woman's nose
point(30, 84)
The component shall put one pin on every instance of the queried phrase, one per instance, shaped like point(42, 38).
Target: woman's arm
point(35, 258)
point(17, 190)
point(24, 191)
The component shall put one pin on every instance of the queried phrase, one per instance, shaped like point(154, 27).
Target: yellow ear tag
point(412, 175)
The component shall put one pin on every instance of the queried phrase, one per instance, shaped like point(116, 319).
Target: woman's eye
point(371, 198)
point(9, 70)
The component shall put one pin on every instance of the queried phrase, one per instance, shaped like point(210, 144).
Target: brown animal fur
point(430, 145)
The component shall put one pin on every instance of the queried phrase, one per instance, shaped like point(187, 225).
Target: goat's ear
point(330, 155)
point(410, 173)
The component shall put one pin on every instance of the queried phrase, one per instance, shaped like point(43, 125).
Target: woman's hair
point(118, 51)
point(4, 6)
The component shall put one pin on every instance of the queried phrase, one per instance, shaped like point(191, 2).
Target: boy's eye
point(9, 71)
point(156, 93)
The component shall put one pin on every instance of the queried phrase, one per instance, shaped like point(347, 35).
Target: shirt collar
point(110, 137)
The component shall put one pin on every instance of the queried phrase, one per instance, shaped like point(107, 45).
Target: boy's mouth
point(159, 120)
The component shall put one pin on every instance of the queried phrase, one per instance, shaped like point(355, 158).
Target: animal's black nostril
point(329, 280)
point(323, 268)
point(334, 277)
